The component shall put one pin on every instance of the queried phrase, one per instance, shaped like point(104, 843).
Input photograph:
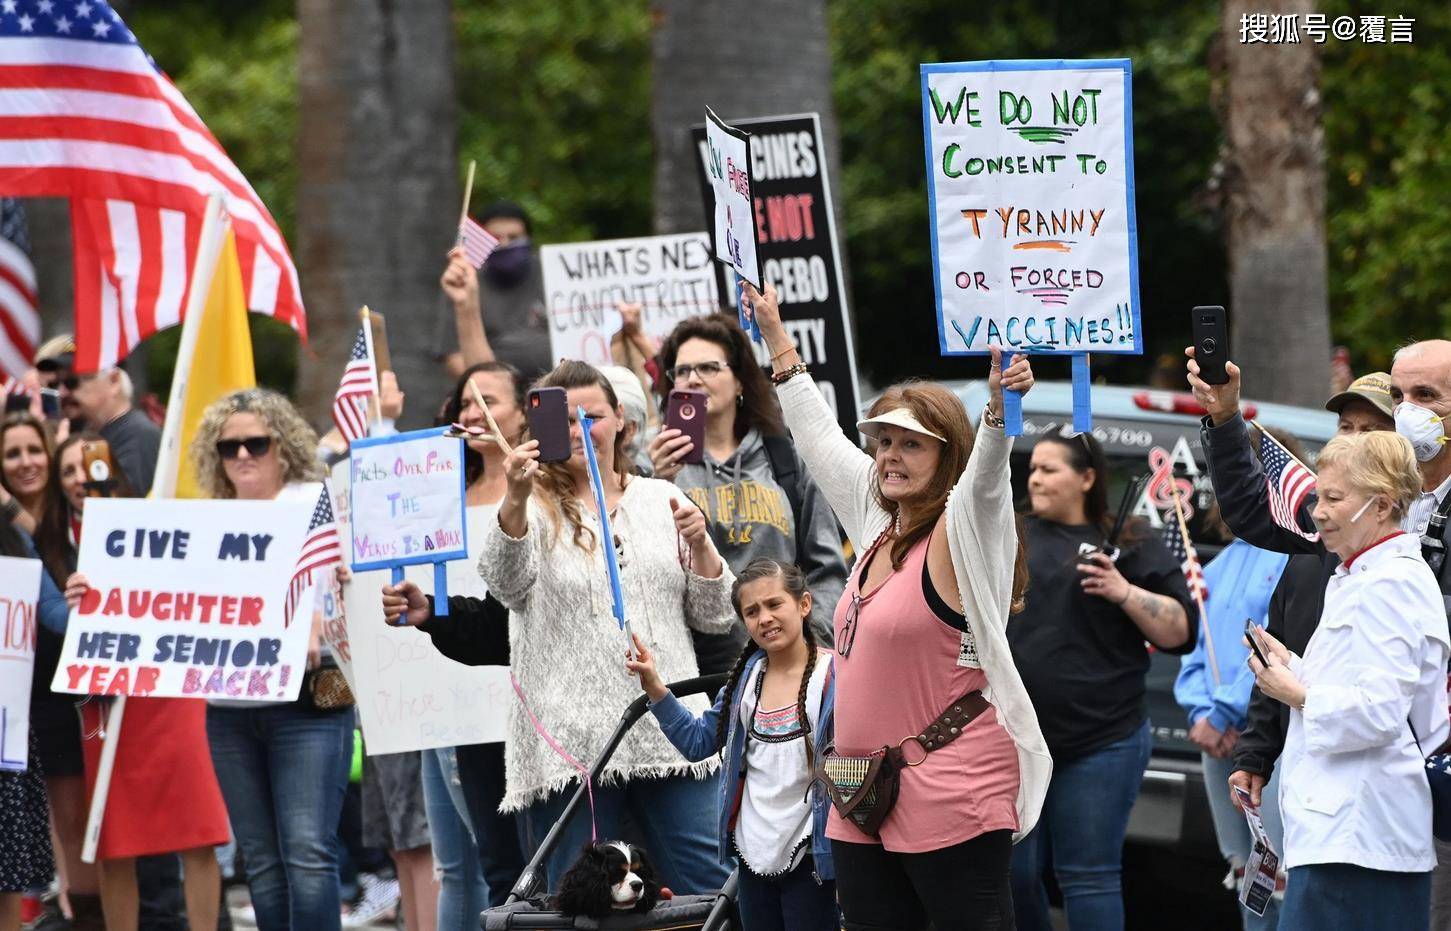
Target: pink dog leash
point(558, 748)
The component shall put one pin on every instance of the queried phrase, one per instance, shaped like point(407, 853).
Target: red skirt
point(164, 795)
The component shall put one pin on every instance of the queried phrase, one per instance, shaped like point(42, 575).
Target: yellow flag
point(223, 359)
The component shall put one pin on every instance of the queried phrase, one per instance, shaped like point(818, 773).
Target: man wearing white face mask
point(1421, 388)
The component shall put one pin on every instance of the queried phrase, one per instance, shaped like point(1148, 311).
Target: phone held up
point(686, 412)
point(1252, 634)
point(547, 410)
point(100, 472)
point(1211, 343)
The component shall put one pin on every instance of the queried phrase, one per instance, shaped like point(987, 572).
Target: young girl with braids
point(773, 713)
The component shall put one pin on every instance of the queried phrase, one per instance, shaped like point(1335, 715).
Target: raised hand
point(642, 664)
point(460, 283)
point(1220, 401)
point(405, 603)
point(666, 451)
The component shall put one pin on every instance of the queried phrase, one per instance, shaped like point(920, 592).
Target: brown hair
point(758, 404)
point(555, 484)
point(52, 536)
point(940, 411)
point(1084, 452)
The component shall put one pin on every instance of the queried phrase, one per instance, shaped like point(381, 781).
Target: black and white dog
point(609, 877)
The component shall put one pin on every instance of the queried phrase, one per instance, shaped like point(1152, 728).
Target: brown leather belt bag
point(864, 788)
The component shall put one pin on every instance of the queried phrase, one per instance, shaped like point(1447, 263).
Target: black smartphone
point(686, 413)
point(14, 403)
point(1211, 343)
point(50, 403)
point(548, 412)
point(1252, 634)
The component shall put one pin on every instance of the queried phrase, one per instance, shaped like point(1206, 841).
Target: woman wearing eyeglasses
point(755, 492)
point(923, 667)
point(1082, 645)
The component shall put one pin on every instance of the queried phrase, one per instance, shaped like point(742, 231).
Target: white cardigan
point(568, 653)
point(1352, 780)
point(982, 535)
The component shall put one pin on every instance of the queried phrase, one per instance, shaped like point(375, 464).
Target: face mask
point(508, 265)
point(1422, 427)
point(1368, 503)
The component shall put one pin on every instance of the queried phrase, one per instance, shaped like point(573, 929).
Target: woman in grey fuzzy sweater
point(748, 511)
point(543, 560)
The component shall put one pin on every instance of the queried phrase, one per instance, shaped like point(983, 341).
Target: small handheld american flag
point(1176, 540)
point(321, 550)
point(1289, 483)
point(478, 242)
point(359, 384)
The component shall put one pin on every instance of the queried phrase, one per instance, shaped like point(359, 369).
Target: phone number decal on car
point(1140, 438)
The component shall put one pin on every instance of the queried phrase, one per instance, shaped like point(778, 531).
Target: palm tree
point(378, 191)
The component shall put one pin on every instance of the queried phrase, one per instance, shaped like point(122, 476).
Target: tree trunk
point(1274, 177)
point(378, 192)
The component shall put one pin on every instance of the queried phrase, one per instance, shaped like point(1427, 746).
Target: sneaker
point(378, 901)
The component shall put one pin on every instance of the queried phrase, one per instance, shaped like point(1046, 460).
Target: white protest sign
point(671, 276)
point(1031, 186)
point(19, 589)
point(187, 600)
point(407, 500)
point(728, 165)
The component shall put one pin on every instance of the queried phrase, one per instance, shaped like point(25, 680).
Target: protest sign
point(728, 165)
point(1030, 182)
point(671, 277)
point(19, 589)
point(407, 503)
point(187, 601)
point(797, 246)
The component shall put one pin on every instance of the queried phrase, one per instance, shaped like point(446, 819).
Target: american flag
point(86, 114)
point(19, 310)
point(320, 551)
point(1175, 537)
point(478, 242)
point(359, 384)
point(1289, 483)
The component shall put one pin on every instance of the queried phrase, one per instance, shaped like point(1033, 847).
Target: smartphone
point(15, 403)
point(1252, 634)
point(96, 460)
point(548, 412)
point(1211, 343)
point(50, 403)
point(686, 412)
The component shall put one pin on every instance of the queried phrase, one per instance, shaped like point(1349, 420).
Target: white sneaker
point(378, 903)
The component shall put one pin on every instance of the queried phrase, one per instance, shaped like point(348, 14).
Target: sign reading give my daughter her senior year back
point(407, 496)
point(187, 600)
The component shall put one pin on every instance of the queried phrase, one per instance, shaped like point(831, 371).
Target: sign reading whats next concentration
point(187, 600)
point(798, 250)
point(1031, 189)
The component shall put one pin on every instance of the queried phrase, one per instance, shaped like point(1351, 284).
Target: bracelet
point(783, 352)
point(785, 375)
point(991, 419)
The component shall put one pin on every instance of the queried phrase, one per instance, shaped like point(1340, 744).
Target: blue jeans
point(500, 838)
point(1233, 831)
point(1341, 897)
point(792, 902)
point(462, 894)
point(1085, 817)
point(676, 815)
point(283, 770)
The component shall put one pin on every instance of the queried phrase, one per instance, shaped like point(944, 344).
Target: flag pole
point(366, 316)
point(209, 248)
point(1264, 432)
point(1198, 598)
point(464, 213)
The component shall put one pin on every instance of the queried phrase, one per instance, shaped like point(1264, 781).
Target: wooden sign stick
point(493, 425)
point(468, 193)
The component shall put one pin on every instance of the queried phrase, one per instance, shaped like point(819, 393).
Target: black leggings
point(964, 887)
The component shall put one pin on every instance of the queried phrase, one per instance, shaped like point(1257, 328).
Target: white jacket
point(1353, 786)
point(982, 535)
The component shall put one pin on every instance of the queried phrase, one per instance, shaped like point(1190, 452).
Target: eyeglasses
point(73, 381)
point(705, 370)
point(256, 447)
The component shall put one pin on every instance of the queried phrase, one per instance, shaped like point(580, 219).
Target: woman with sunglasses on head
point(758, 499)
point(544, 559)
point(924, 676)
point(1082, 646)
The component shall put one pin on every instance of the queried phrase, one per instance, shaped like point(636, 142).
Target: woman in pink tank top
point(920, 634)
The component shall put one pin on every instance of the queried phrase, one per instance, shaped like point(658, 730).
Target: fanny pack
point(864, 788)
point(326, 689)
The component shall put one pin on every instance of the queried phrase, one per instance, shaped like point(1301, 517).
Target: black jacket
point(475, 632)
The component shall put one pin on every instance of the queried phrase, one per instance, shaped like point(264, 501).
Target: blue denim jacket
point(695, 739)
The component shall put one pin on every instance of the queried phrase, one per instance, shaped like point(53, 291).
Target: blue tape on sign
point(440, 589)
point(746, 312)
point(1082, 395)
point(1012, 405)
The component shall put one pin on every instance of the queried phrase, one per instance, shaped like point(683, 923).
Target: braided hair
point(794, 581)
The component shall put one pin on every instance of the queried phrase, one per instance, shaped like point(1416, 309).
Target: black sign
point(796, 244)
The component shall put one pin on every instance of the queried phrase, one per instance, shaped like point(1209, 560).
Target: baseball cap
point(1375, 388)
point(55, 353)
point(896, 417)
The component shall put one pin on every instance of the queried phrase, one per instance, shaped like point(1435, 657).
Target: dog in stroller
point(609, 877)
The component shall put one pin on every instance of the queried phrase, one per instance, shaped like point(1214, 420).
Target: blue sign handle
point(1012, 404)
point(608, 543)
point(440, 589)
point(747, 317)
point(1082, 395)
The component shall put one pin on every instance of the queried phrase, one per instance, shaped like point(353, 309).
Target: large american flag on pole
point(86, 114)
point(1289, 483)
point(359, 384)
point(19, 308)
point(320, 551)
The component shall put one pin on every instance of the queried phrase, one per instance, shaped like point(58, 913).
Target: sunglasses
point(256, 447)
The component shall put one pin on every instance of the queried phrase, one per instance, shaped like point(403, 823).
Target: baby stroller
point(528, 906)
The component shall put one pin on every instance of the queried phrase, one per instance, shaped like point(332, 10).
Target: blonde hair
point(1377, 463)
point(296, 441)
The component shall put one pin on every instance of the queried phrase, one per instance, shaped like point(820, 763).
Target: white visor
point(896, 417)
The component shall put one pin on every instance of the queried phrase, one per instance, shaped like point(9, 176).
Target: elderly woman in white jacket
point(1368, 701)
